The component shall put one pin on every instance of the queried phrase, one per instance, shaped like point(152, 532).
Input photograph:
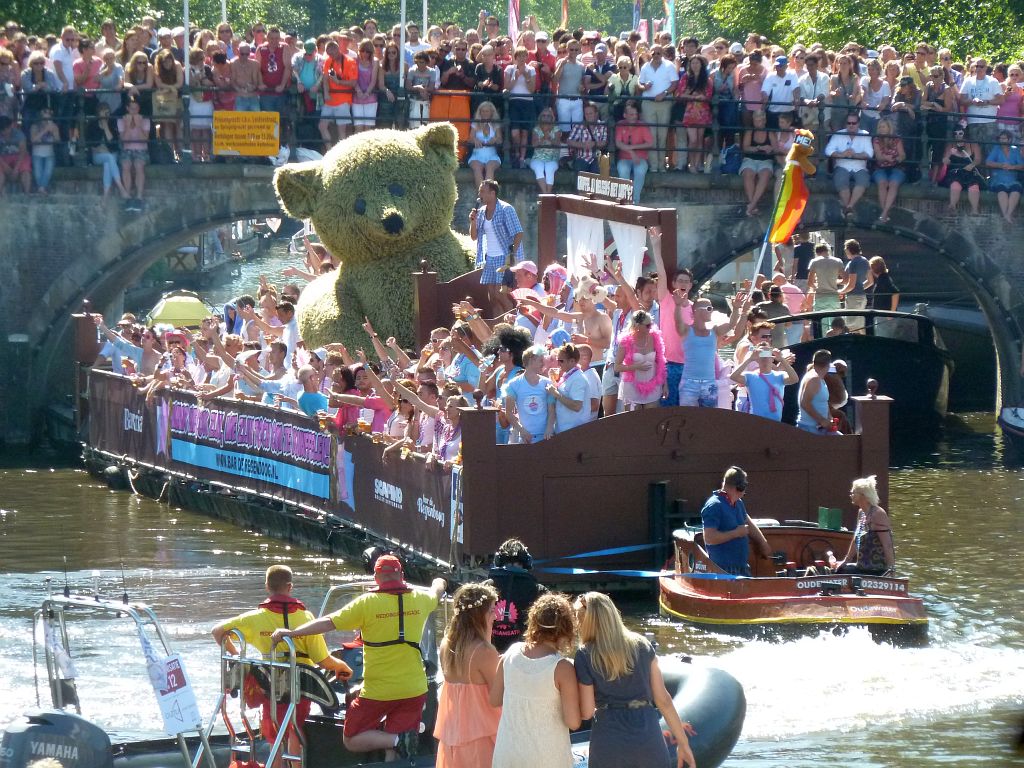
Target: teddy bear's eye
point(359, 206)
point(397, 190)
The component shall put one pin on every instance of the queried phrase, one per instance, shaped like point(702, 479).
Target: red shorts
point(267, 725)
point(398, 716)
point(16, 163)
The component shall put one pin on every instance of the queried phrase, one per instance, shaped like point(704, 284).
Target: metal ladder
point(233, 669)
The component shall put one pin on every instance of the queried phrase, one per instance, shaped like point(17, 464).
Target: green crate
point(831, 519)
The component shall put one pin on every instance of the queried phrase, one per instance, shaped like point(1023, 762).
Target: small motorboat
point(709, 698)
point(792, 594)
point(900, 350)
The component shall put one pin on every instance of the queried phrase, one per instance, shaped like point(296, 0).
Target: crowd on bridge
point(542, 100)
point(569, 349)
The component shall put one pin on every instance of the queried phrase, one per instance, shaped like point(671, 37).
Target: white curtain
point(629, 240)
point(584, 240)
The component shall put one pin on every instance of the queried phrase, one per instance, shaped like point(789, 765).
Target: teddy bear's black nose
point(393, 223)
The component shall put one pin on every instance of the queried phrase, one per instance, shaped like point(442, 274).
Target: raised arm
point(682, 327)
point(412, 397)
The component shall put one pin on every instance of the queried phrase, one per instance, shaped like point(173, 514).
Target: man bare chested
point(245, 78)
point(597, 325)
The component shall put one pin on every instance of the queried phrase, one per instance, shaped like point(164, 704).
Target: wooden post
point(480, 468)
point(547, 231)
point(425, 309)
point(872, 426)
point(669, 243)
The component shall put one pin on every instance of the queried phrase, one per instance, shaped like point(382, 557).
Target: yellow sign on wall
point(248, 134)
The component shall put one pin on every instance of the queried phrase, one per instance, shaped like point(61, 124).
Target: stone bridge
point(70, 246)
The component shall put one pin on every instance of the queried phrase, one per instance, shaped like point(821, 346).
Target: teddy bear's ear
point(438, 138)
point(298, 185)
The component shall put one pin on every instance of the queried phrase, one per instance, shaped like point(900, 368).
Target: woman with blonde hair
point(485, 135)
point(536, 688)
point(168, 79)
point(621, 687)
point(872, 538)
point(466, 722)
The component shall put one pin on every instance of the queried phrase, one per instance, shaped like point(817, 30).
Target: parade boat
point(613, 488)
point(901, 350)
point(793, 593)
point(707, 697)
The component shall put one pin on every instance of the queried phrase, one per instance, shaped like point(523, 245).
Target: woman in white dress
point(640, 358)
point(537, 690)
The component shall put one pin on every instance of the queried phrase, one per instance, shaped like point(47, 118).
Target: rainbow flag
point(637, 9)
point(791, 204)
point(565, 14)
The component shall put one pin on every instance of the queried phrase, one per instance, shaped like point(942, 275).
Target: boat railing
point(911, 327)
point(235, 665)
point(51, 619)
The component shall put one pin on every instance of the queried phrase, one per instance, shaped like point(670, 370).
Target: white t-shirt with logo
point(779, 90)
point(986, 89)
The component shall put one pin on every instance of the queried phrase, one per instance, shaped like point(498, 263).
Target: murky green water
point(958, 522)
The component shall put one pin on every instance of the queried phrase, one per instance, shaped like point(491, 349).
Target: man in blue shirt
point(495, 226)
point(727, 526)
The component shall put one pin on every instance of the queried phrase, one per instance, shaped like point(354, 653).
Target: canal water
point(958, 518)
point(959, 526)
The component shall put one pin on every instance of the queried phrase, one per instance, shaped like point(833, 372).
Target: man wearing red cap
point(257, 627)
point(390, 619)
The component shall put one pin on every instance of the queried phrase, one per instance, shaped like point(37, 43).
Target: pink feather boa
point(644, 388)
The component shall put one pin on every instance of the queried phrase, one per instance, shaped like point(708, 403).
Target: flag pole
point(771, 225)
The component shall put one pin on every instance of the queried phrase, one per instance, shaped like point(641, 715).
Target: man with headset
point(517, 589)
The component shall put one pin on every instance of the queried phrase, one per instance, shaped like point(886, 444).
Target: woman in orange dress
point(467, 724)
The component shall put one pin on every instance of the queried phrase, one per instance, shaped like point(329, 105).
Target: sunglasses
point(852, 122)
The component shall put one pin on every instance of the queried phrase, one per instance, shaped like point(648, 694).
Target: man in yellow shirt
point(279, 610)
point(390, 619)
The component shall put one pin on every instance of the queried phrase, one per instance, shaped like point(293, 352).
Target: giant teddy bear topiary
point(381, 201)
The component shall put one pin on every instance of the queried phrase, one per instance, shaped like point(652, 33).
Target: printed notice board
point(248, 134)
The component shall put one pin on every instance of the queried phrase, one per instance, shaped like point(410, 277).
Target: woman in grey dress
point(622, 689)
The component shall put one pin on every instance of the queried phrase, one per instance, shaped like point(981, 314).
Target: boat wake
point(850, 683)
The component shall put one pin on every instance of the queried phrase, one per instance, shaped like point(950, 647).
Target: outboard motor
point(66, 737)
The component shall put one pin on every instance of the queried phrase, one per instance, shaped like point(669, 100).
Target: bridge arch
point(998, 296)
point(123, 246)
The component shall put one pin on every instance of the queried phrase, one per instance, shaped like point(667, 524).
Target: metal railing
point(74, 110)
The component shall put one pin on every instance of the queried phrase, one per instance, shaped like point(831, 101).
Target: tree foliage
point(967, 27)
